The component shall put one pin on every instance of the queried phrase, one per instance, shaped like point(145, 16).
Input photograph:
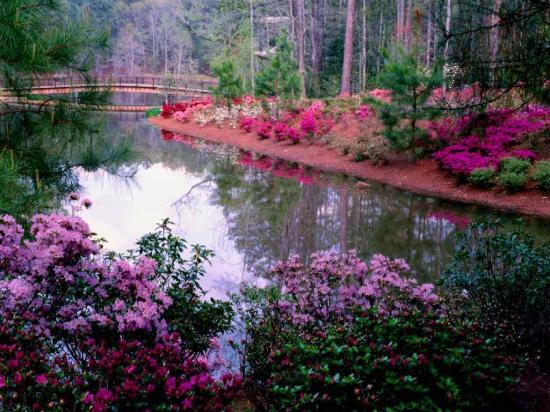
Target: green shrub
point(514, 165)
point(482, 177)
point(153, 112)
point(513, 182)
point(505, 277)
point(230, 84)
point(542, 175)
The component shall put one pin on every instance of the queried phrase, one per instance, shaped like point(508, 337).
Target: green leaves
point(230, 84)
point(411, 85)
point(280, 78)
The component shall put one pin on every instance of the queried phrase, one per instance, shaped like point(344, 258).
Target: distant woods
point(339, 46)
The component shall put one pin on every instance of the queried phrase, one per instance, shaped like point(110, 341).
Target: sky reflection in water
point(251, 218)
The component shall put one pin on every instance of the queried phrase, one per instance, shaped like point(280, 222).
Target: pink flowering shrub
point(332, 284)
point(476, 141)
point(456, 98)
point(292, 125)
point(73, 320)
point(364, 112)
point(384, 95)
point(347, 335)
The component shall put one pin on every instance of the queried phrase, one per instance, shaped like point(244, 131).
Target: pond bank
point(423, 177)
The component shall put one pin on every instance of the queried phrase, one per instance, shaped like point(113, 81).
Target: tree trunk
point(400, 21)
point(252, 70)
point(364, 47)
point(429, 35)
point(315, 24)
point(345, 89)
point(447, 30)
point(495, 38)
point(300, 20)
point(408, 25)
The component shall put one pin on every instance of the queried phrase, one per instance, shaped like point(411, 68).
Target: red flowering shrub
point(183, 111)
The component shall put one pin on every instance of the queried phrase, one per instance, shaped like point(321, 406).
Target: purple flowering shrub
point(346, 335)
point(480, 141)
point(107, 332)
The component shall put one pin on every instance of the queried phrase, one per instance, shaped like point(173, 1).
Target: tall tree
point(345, 88)
point(299, 18)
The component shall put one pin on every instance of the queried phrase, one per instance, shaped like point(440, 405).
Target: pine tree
point(411, 85)
point(230, 84)
point(280, 77)
point(43, 144)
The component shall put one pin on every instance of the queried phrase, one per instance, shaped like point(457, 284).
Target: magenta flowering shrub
point(308, 122)
point(80, 328)
point(475, 141)
point(247, 124)
point(364, 112)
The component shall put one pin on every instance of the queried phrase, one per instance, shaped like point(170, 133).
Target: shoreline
point(424, 177)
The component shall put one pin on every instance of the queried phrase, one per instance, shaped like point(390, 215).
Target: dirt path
point(423, 177)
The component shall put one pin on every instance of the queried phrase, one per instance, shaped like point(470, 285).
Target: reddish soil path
point(423, 177)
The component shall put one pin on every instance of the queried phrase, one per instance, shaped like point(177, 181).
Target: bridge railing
point(124, 81)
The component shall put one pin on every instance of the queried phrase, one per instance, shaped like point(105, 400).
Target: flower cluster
point(247, 107)
point(293, 126)
point(332, 284)
point(58, 264)
point(482, 141)
point(456, 98)
point(184, 111)
point(383, 95)
point(73, 319)
point(364, 112)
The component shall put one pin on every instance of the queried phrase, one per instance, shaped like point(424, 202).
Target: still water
point(252, 212)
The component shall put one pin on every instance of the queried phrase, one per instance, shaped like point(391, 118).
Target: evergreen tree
point(280, 76)
point(411, 85)
point(230, 84)
point(42, 144)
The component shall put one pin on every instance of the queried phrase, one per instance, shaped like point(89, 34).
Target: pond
point(252, 211)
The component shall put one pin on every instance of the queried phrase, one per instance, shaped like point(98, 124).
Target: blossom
point(364, 112)
point(41, 380)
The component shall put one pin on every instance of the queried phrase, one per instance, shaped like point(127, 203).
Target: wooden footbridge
point(57, 85)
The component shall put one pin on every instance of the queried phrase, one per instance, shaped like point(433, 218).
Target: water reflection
point(253, 211)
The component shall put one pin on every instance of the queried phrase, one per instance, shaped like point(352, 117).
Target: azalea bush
point(346, 335)
point(88, 330)
point(482, 140)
